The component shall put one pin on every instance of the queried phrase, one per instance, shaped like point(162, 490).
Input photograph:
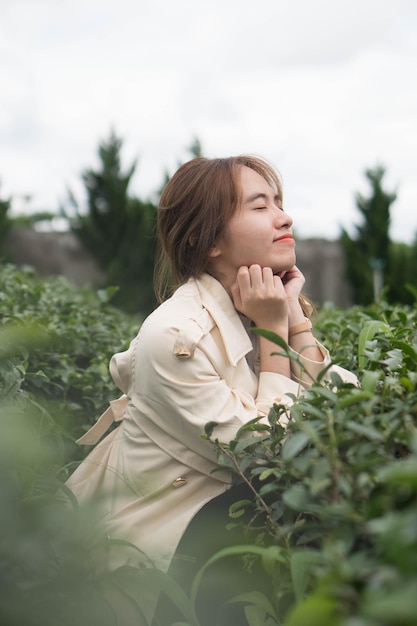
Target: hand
point(261, 296)
point(293, 281)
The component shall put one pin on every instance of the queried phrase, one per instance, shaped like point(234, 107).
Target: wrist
point(294, 308)
point(303, 327)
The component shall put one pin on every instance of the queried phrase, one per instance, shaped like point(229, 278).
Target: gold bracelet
point(304, 327)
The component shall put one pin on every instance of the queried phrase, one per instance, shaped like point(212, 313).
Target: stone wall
point(323, 265)
point(59, 253)
point(53, 253)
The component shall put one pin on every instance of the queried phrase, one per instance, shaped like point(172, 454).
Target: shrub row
point(332, 520)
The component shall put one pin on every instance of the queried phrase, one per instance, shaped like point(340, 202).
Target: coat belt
point(114, 413)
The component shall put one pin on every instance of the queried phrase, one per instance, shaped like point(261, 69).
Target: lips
point(285, 238)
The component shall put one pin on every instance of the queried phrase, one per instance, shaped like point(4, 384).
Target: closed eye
point(264, 208)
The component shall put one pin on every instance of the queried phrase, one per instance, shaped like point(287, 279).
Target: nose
point(282, 219)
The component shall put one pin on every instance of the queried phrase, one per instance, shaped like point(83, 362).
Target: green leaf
point(370, 328)
point(271, 471)
point(293, 445)
point(302, 563)
point(355, 396)
point(104, 295)
point(237, 509)
point(143, 585)
point(399, 606)
point(246, 442)
point(407, 349)
point(257, 599)
point(273, 337)
point(209, 427)
point(309, 409)
point(367, 431)
point(401, 472)
point(325, 393)
point(296, 497)
point(316, 610)
point(394, 359)
point(255, 615)
point(270, 558)
point(227, 552)
point(370, 381)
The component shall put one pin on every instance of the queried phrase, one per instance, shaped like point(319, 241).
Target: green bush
point(333, 517)
point(61, 340)
point(55, 343)
point(336, 492)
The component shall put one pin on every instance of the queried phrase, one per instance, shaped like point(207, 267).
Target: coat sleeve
point(306, 371)
point(181, 395)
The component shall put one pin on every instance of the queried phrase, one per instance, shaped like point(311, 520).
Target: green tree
point(401, 278)
point(5, 221)
point(195, 148)
point(369, 249)
point(118, 229)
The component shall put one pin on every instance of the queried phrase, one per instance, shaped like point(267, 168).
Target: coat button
point(179, 482)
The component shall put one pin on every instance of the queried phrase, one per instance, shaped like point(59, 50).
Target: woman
point(227, 244)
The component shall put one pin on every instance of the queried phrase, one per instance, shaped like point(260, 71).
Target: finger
point(294, 272)
point(278, 283)
point(243, 277)
point(268, 277)
point(256, 277)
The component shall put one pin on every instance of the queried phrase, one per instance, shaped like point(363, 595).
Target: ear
point(214, 252)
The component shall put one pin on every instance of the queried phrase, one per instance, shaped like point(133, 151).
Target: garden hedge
point(332, 521)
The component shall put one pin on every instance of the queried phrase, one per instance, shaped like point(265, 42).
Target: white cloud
point(323, 89)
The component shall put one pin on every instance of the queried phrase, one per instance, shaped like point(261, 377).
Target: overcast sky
point(324, 89)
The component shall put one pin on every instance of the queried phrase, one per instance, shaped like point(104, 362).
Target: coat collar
point(219, 305)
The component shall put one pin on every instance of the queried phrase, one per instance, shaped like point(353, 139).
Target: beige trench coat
point(186, 367)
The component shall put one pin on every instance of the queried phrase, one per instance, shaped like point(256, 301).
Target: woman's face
point(259, 232)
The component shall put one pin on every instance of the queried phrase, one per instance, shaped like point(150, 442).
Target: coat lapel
point(218, 303)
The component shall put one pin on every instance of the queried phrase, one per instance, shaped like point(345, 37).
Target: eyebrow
point(261, 196)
